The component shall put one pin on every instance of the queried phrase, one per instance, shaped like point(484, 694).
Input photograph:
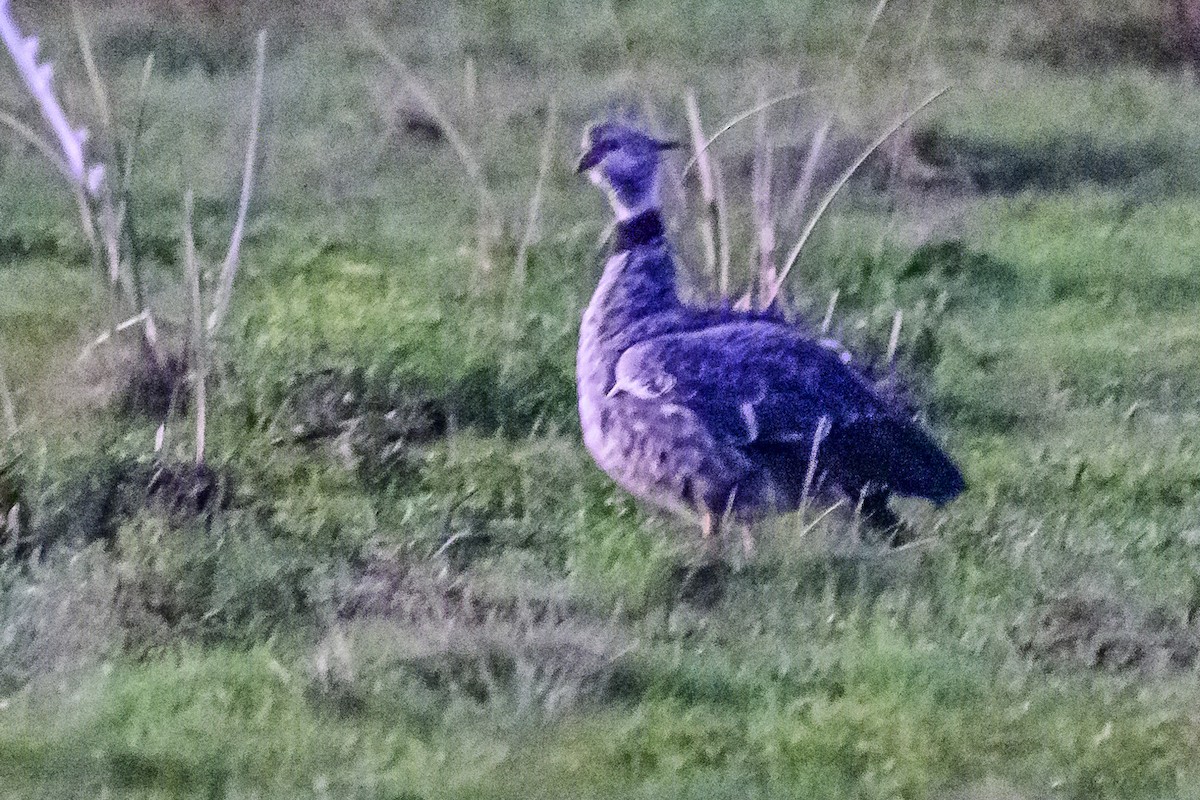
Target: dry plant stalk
point(487, 213)
point(844, 178)
point(93, 72)
point(866, 37)
point(535, 200)
point(722, 224)
point(199, 341)
point(894, 339)
point(229, 266)
point(711, 221)
point(470, 87)
point(736, 119)
point(6, 399)
point(130, 157)
point(827, 322)
point(202, 333)
point(760, 195)
point(810, 475)
point(769, 281)
point(103, 216)
point(808, 172)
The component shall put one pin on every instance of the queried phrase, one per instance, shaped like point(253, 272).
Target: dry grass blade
point(488, 209)
point(43, 146)
point(470, 87)
point(137, 287)
point(103, 107)
point(800, 196)
point(808, 528)
point(6, 399)
point(894, 339)
point(142, 318)
point(827, 322)
point(40, 142)
point(229, 266)
point(721, 222)
point(708, 193)
point(808, 172)
point(737, 119)
point(828, 199)
point(535, 200)
point(425, 98)
point(810, 475)
point(199, 338)
point(875, 15)
point(760, 191)
point(139, 125)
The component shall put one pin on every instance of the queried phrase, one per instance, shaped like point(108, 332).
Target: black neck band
point(638, 231)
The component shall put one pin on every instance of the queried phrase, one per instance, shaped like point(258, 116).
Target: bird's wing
point(749, 382)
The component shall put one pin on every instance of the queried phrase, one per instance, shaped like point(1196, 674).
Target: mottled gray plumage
point(712, 412)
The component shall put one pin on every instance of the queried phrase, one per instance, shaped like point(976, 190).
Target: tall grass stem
point(842, 180)
point(229, 266)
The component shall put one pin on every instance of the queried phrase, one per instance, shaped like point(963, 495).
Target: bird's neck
point(630, 197)
point(638, 284)
point(643, 230)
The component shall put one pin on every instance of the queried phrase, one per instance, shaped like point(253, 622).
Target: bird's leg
point(710, 531)
point(875, 510)
point(883, 521)
point(704, 583)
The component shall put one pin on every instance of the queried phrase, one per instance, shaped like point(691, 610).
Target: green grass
point(415, 584)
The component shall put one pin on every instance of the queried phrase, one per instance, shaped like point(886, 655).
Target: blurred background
point(379, 562)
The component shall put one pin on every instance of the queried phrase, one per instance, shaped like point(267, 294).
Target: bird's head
point(624, 161)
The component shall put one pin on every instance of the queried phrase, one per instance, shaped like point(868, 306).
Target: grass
point(410, 581)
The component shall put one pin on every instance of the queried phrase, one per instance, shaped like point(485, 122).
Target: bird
point(721, 414)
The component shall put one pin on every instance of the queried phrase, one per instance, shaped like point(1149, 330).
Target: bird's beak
point(589, 159)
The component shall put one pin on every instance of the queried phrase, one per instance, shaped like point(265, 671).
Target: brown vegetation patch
point(95, 495)
point(1103, 633)
point(156, 387)
point(456, 634)
point(373, 435)
point(187, 490)
point(701, 585)
point(117, 373)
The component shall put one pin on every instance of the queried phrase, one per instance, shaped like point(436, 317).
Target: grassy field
point(401, 575)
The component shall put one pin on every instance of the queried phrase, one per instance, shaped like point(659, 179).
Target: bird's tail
point(896, 454)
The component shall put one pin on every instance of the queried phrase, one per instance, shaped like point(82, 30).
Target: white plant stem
point(829, 197)
point(233, 255)
point(711, 219)
point(199, 334)
point(6, 399)
point(894, 339)
point(39, 80)
point(520, 264)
